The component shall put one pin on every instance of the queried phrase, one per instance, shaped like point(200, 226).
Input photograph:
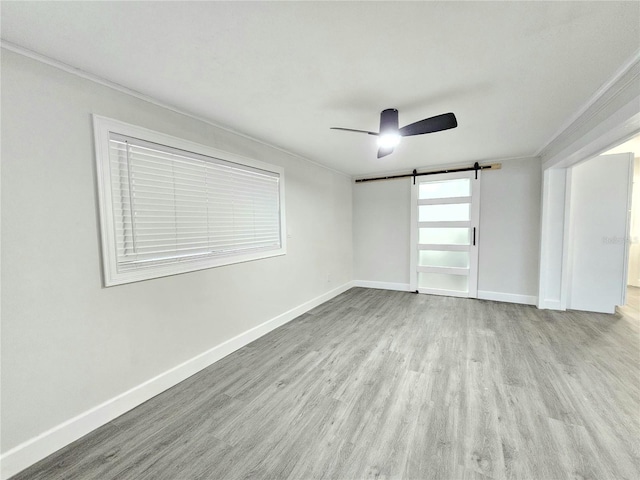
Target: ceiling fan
point(390, 134)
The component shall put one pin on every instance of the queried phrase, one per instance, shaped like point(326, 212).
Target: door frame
point(610, 117)
point(555, 242)
point(474, 220)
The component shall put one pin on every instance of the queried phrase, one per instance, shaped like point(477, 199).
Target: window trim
point(102, 127)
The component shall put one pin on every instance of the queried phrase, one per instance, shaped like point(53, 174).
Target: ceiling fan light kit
point(390, 133)
point(388, 140)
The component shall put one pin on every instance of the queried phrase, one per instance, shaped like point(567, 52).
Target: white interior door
point(444, 234)
point(633, 278)
point(598, 238)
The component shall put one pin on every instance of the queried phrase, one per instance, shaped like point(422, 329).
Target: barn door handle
point(474, 236)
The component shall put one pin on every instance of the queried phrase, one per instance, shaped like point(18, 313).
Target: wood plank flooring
point(391, 385)
point(632, 307)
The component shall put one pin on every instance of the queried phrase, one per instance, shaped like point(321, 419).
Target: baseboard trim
point(508, 297)
point(402, 287)
point(43, 445)
point(550, 305)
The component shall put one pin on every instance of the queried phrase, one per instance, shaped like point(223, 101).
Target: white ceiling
point(284, 72)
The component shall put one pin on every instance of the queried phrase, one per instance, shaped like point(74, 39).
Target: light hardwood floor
point(381, 384)
point(632, 307)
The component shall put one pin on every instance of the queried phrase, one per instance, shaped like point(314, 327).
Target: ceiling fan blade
point(383, 152)
point(430, 125)
point(353, 130)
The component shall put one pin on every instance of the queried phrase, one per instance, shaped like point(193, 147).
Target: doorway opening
point(632, 305)
point(596, 227)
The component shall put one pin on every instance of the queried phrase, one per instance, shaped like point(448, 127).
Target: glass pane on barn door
point(454, 212)
point(443, 258)
point(444, 236)
point(460, 187)
point(443, 281)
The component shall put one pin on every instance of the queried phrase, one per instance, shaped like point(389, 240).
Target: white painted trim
point(446, 224)
point(444, 201)
point(444, 293)
point(627, 234)
point(39, 447)
point(604, 88)
point(542, 240)
point(25, 52)
point(482, 295)
point(474, 229)
point(103, 128)
point(551, 241)
point(508, 297)
point(401, 287)
point(567, 244)
point(619, 127)
point(413, 238)
point(550, 305)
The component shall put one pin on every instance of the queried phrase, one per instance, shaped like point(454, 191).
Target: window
point(169, 206)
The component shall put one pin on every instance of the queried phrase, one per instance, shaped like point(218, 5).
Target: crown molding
point(623, 84)
point(25, 52)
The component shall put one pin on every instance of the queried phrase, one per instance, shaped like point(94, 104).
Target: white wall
point(509, 231)
point(69, 344)
point(381, 218)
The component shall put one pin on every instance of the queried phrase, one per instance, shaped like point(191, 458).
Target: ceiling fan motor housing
point(389, 121)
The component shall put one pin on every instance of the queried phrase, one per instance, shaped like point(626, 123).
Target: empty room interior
point(305, 240)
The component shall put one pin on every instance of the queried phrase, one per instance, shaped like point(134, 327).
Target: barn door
point(445, 237)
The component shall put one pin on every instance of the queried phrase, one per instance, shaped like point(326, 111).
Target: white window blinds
point(167, 210)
